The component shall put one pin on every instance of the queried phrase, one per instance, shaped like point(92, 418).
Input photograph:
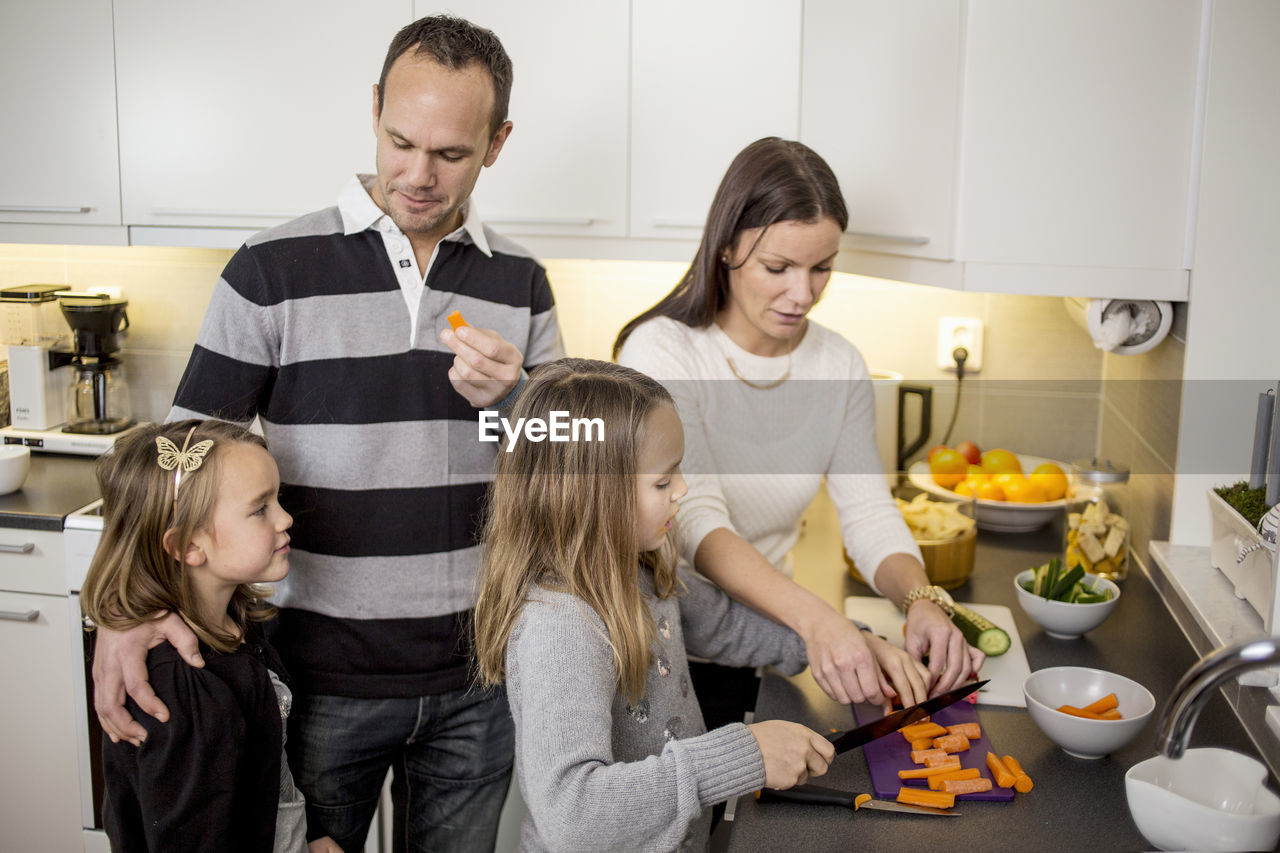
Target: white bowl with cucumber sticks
point(1066, 603)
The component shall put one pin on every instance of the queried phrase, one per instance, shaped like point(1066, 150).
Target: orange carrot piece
point(1078, 712)
point(859, 800)
point(1023, 782)
point(943, 757)
point(926, 772)
point(1111, 714)
point(923, 797)
point(972, 731)
point(966, 786)
point(917, 731)
point(935, 782)
point(1002, 775)
point(455, 320)
point(951, 743)
point(1106, 703)
point(922, 756)
point(922, 744)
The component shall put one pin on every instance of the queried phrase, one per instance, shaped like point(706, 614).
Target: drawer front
point(31, 561)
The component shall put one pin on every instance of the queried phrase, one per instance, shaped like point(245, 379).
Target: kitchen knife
point(817, 795)
point(845, 741)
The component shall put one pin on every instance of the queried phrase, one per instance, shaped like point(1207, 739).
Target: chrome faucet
point(1197, 687)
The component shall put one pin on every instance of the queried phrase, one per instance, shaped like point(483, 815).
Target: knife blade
point(845, 741)
point(817, 795)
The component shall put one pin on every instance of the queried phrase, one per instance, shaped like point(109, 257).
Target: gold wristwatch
point(936, 594)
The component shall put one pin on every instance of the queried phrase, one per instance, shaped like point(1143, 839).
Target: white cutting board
point(1006, 672)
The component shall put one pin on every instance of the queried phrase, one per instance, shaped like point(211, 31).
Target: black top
point(209, 779)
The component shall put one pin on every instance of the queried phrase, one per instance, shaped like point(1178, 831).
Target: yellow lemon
point(1051, 480)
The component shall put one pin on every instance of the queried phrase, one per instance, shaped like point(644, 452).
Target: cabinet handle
point(676, 223)
point(890, 238)
point(235, 214)
point(539, 220)
point(31, 208)
point(24, 548)
point(20, 615)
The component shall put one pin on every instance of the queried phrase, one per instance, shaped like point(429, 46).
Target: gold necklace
point(766, 386)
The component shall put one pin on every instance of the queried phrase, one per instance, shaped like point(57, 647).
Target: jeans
point(451, 756)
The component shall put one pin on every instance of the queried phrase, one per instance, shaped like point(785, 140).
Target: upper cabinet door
point(879, 101)
point(242, 113)
point(563, 171)
point(59, 161)
point(708, 78)
point(1078, 128)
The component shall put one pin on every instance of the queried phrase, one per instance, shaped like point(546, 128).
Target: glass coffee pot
point(98, 399)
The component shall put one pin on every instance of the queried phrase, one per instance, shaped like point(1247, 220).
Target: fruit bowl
point(999, 516)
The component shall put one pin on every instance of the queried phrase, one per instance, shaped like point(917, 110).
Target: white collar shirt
point(360, 213)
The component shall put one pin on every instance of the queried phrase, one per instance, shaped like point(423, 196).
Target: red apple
point(935, 450)
point(970, 451)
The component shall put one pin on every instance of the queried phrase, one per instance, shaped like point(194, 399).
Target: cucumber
point(1065, 583)
point(986, 637)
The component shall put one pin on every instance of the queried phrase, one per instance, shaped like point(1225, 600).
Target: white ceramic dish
point(1210, 799)
point(999, 516)
point(15, 462)
point(1060, 619)
point(1046, 689)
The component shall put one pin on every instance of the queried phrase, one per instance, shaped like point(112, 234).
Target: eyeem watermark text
point(560, 427)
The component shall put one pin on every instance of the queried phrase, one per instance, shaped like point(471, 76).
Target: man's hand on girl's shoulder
point(120, 668)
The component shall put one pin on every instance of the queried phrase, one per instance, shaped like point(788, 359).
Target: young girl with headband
point(581, 610)
point(192, 525)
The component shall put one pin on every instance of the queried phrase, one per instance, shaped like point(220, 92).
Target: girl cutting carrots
point(581, 611)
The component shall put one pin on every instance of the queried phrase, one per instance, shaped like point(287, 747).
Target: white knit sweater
point(754, 459)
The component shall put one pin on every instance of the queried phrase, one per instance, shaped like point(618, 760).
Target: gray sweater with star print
point(599, 773)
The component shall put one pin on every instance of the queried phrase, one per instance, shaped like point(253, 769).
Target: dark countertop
point(58, 484)
point(1076, 804)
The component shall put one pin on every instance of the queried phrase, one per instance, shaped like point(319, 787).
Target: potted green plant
point(1237, 549)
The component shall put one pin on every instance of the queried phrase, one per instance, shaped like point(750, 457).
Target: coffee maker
point(67, 391)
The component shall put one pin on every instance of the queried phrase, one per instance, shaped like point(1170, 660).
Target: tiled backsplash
point(1038, 391)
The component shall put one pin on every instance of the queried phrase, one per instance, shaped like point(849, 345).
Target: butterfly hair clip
point(186, 460)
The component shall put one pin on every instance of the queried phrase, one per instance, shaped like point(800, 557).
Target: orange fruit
point(1003, 480)
point(989, 491)
point(1051, 480)
point(966, 488)
point(999, 461)
point(1023, 491)
point(948, 468)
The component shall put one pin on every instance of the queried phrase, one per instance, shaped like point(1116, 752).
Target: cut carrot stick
point(922, 730)
point(943, 757)
point(921, 756)
point(1113, 714)
point(966, 786)
point(1023, 782)
point(1002, 775)
point(922, 744)
point(926, 772)
point(455, 320)
point(935, 782)
point(1106, 703)
point(972, 731)
point(922, 797)
point(951, 743)
point(859, 800)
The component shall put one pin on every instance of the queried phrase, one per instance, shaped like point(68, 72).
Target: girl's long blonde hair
point(132, 576)
point(563, 515)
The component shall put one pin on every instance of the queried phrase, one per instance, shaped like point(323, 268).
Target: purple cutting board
point(891, 753)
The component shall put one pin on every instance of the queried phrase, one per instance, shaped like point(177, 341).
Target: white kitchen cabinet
point(244, 114)
point(563, 172)
point(880, 102)
point(59, 161)
point(39, 803)
point(707, 79)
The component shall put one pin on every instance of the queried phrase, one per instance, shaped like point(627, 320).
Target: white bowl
point(1060, 619)
point(1210, 799)
point(15, 462)
point(1046, 689)
point(1000, 516)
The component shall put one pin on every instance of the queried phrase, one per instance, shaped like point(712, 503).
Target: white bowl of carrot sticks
point(1063, 619)
point(1088, 712)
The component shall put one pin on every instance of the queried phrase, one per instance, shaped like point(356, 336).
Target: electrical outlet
point(960, 332)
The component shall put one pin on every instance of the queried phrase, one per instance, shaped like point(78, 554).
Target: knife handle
point(812, 794)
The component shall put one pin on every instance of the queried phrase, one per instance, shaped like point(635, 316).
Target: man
point(325, 328)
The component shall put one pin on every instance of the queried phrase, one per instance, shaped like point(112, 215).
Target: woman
point(773, 403)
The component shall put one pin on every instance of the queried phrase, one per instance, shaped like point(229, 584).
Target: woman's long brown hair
point(563, 515)
point(132, 577)
point(771, 180)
